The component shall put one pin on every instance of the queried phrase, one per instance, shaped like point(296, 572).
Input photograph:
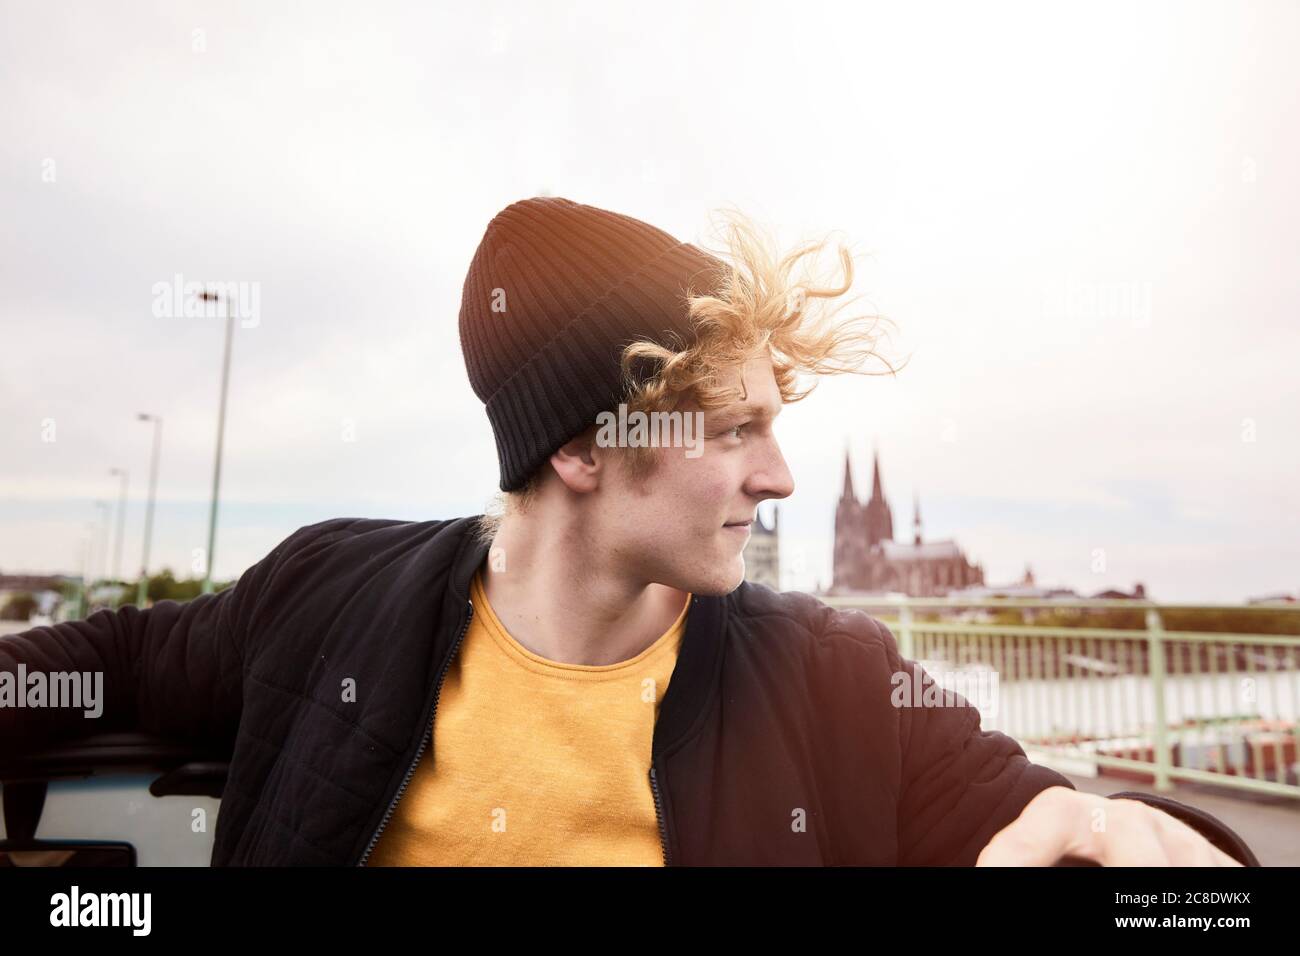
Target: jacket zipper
point(659, 814)
point(428, 735)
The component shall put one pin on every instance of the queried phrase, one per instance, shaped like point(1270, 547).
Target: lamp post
point(142, 593)
point(121, 520)
point(221, 430)
point(99, 559)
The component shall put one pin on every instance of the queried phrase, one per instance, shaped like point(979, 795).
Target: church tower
point(880, 521)
point(849, 531)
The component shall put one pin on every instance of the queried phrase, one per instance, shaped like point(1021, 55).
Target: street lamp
point(221, 430)
point(121, 521)
point(142, 593)
point(100, 564)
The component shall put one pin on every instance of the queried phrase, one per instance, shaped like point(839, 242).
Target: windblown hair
point(757, 300)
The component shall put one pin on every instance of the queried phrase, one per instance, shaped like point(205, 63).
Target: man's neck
point(568, 605)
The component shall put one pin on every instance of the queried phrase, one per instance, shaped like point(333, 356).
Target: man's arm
point(1113, 831)
point(961, 785)
point(174, 669)
point(1207, 825)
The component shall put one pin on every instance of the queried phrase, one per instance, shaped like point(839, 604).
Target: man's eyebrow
point(744, 410)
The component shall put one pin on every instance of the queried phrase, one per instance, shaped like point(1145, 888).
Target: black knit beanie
point(554, 293)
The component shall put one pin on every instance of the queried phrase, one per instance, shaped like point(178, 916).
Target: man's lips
point(738, 524)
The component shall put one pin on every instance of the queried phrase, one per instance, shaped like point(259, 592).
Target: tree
point(164, 586)
point(20, 607)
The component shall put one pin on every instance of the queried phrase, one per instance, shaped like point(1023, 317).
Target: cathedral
point(867, 558)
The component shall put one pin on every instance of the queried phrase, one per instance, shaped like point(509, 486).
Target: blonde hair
point(758, 299)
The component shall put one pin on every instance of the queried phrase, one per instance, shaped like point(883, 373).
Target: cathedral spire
point(880, 523)
point(848, 477)
point(916, 517)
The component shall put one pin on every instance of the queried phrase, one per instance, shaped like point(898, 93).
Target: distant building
point(763, 553)
point(1139, 594)
point(1280, 598)
point(867, 558)
point(1024, 588)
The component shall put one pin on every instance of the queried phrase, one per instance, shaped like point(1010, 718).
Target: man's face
point(687, 522)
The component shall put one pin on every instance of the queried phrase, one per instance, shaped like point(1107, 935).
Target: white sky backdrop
point(998, 169)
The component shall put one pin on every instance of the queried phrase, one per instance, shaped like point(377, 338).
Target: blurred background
point(1082, 221)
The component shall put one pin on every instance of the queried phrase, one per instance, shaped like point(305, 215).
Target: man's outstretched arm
point(174, 669)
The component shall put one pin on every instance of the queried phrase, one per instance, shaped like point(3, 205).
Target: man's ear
point(579, 463)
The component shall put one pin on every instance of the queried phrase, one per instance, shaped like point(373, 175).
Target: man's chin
point(723, 581)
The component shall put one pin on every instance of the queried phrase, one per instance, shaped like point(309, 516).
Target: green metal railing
point(1139, 701)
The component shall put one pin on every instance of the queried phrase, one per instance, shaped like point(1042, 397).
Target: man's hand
point(1061, 822)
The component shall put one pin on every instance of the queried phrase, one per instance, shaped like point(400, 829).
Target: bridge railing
point(1143, 700)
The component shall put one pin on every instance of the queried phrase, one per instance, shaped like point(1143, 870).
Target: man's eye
point(734, 431)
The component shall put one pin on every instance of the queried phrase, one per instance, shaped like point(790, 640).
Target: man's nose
point(773, 478)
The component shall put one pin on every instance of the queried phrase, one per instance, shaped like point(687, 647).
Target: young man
point(586, 678)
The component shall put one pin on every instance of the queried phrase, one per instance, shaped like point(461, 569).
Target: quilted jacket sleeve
point(961, 784)
point(174, 669)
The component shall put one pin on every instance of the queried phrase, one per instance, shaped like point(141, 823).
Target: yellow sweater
point(534, 762)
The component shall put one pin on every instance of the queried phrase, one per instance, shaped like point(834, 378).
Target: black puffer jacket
point(779, 711)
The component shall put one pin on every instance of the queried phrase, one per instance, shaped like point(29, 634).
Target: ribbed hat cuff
point(532, 415)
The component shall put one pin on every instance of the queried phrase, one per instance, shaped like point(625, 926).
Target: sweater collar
point(698, 661)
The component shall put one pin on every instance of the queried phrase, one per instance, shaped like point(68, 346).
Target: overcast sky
point(1084, 223)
